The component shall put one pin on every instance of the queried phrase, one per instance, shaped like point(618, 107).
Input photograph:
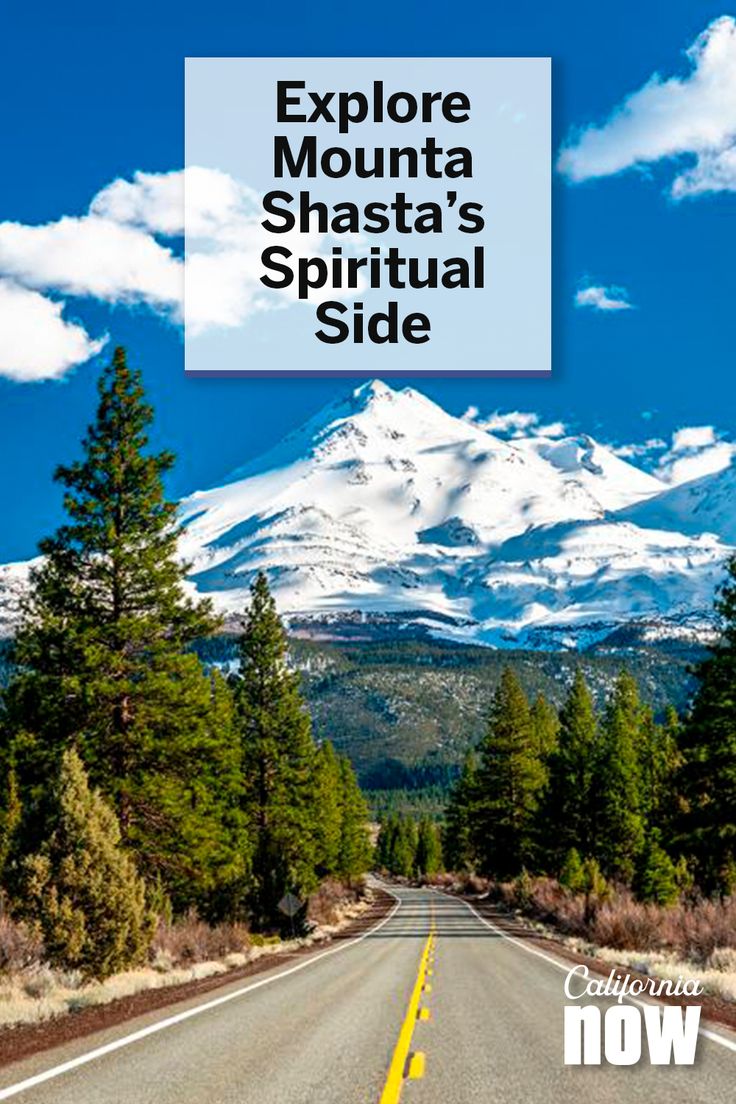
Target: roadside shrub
point(626, 924)
point(21, 945)
point(327, 904)
point(189, 940)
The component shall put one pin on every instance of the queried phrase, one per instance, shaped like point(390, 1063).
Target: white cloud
point(693, 437)
point(112, 254)
point(694, 116)
point(601, 298)
point(694, 451)
point(36, 342)
point(712, 172)
point(92, 256)
point(514, 424)
point(641, 449)
point(224, 236)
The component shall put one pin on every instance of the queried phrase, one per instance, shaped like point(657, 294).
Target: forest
point(136, 782)
point(586, 794)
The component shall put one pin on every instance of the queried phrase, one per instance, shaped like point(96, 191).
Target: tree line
point(584, 794)
point(135, 779)
point(408, 847)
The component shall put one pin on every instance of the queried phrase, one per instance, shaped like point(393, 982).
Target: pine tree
point(460, 818)
point(10, 812)
point(657, 876)
point(566, 815)
point(510, 777)
point(428, 859)
point(354, 854)
point(405, 851)
point(397, 846)
point(104, 662)
point(328, 811)
point(278, 762)
point(572, 875)
point(619, 832)
point(545, 727)
point(660, 761)
point(383, 842)
point(707, 778)
point(82, 890)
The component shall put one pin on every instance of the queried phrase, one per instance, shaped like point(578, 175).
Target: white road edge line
point(713, 1036)
point(171, 1021)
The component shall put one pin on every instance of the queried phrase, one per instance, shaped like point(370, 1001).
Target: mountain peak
point(372, 389)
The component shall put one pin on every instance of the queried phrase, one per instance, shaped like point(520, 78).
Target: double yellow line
point(402, 1066)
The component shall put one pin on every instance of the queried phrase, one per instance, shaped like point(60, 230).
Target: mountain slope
point(704, 505)
point(384, 513)
point(384, 503)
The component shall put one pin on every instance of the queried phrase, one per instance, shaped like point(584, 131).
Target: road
point(330, 1029)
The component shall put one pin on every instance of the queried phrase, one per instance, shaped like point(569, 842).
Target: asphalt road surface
point(345, 1026)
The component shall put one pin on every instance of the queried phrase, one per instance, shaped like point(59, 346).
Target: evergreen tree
point(707, 778)
point(397, 846)
point(10, 812)
point(572, 874)
point(567, 814)
point(545, 727)
point(82, 890)
point(657, 876)
point(383, 841)
point(460, 818)
point(278, 762)
point(510, 776)
point(659, 763)
point(104, 662)
point(428, 859)
point(616, 789)
point(328, 815)
point(354, 856)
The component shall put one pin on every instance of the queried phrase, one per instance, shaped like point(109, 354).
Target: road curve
point(326, 1031)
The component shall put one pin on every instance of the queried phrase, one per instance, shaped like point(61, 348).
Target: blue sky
point(93, 97)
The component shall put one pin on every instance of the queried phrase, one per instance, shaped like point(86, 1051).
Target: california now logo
point(623, 1034)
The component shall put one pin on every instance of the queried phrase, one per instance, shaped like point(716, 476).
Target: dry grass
point(335, 903)
point(693, 939)
point(692, 929)
point(191, 940)
point(186, 950)
point(20, 946)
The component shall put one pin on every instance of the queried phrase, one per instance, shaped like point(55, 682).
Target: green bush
point(82, 889)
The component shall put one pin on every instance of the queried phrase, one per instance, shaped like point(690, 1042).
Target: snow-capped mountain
point(704, 505)
point(385, 509)
point(385, 504)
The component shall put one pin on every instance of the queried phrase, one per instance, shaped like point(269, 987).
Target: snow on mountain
point(611, 480)
point(13, 581)
point(704, 505)
point(386, 504)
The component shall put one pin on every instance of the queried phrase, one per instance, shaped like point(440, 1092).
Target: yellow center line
point(395, 1079)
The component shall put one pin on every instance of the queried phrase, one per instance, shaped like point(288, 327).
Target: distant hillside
point(406, 711)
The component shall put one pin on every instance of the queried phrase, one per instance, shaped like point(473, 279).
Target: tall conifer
point(567, 816)
point(460, 818)
point(510, 777)
point(104, 661)
point(355, 850)
point(278, 756)
point(620, 824)
point(708, 773)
